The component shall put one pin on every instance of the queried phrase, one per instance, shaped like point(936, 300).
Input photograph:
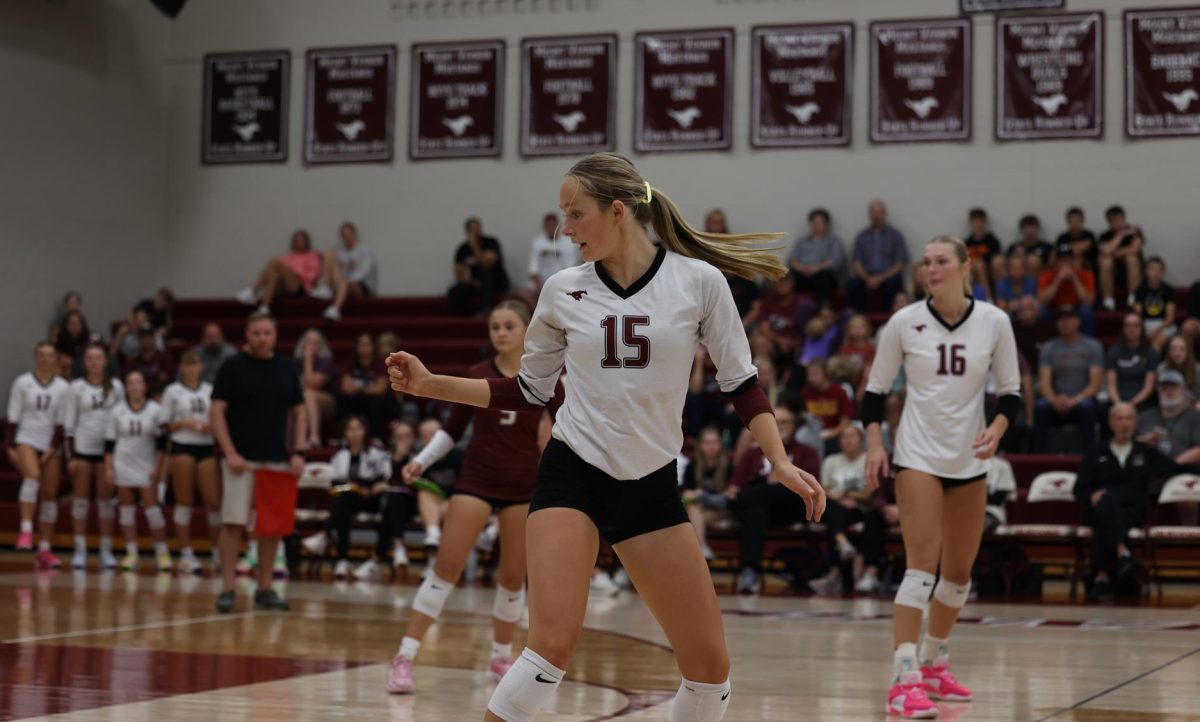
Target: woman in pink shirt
point(292, 274)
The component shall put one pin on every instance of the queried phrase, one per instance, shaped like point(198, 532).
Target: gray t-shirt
point(359, 265)
point(1069, 363)
point(1131, 365)
point(1174, 436)
point(809, 252)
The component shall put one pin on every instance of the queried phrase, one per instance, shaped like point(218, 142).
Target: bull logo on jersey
point(577, 295)
point(920, 327)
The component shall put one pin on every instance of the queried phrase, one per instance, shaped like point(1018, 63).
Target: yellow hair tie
point(647, 192)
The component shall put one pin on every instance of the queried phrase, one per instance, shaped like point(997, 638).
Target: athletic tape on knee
point(214, 520)
point(48, 512)
point(915, 589)
point(508, 605)
point(526, 688)
point(432, 595)
point(182, 516)
point(155, 518)
point(128, 515)
point(951, 594)
point(698, 702)
point(79, 508)
point(29, 491)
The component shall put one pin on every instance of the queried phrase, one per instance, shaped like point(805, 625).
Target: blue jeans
point(856, 289)
point(1082, 415)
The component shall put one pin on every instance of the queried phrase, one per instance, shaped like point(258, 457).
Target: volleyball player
point(497, 476)
point(626, 325)
point(36, 406)
point(945, 346)
point(186, 404)
point(133, 460)
point(92, 399)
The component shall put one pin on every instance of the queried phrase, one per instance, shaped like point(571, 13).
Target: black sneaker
point(225, 602)
point(269, 600)
point(1100, 592)
point(1128, 567)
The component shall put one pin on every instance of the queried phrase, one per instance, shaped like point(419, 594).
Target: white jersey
point(372, 465)
point(87, 415)
point(547, 256)
point(628, 356)
point(181, 402)
point(135, 434)
point(37, 409)
point(945, 368)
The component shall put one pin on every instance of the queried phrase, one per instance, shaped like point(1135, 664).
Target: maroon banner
point(1050, 76)
point(800, 85)
point(349, 109)
point(457, 109)
point(568, 95)
point(1162, 65)
point(921, 80)
point(992, 6)
point(245, 107)
point(683, 99)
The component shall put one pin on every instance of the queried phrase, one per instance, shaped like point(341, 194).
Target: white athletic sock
point(933, 652)
point(409, 648)
point(501, 650)
point(80, 542)
point(131, 548)
point(187, 553)
point(700, 702)
point(27, 526)
point(904, 664)
point(161, 549)
point(106, 545)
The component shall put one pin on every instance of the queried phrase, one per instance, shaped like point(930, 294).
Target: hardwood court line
point(1126, 683)
point(127, 628)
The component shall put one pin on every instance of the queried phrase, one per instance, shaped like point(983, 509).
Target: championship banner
point(683, 99)
point(457, 100)
point(921, 81)
point(245, 107)
point(349, 105)
point(800, 85)
point(995, 6)
point(568, 95)
point(1050, 76)
point(1162, 72)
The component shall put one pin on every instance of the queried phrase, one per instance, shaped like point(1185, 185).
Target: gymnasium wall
point(82, 163)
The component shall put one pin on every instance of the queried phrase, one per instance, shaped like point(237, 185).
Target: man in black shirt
point(984, 249)
point(254, 394)
point(1037, 251)
point(1120, 260)
point(1080, 238)
point(479, 275)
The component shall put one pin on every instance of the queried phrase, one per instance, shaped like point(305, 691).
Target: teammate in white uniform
point(90, 404)
point(36, 406)
point(186, 404)
point(133, 459)
point(946, 345)
point(626, 325)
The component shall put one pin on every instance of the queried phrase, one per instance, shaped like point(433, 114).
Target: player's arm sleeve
point(110, 434)
point(164, 432)
point(545, 349)
point(722, 333)
point(1007, 369)
point(438, 447)
point(16, 402)
point(71, 413)
point(888, 358)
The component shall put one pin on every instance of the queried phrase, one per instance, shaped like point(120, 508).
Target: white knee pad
point(698, 702)
point(951, 594)
point(29, 491)
point(214, 520)
point(508, 605)
point(432, 595)
point(128, 515)
point(155, 518)
point(79, 508)
point(106, 510)
point(915, 589)
point(48, 512)
point(526, 688)
point(182, 516)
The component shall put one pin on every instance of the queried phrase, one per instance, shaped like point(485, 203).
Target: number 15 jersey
point(628, 353)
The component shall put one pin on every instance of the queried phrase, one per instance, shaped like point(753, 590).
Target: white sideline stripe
point(127, 628)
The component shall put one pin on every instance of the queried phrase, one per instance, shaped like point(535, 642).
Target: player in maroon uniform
point(497, 476)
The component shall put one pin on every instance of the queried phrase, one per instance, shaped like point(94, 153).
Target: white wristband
point(435, 450)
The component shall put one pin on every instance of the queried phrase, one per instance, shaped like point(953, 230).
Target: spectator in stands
point(388, 343)
point(1031, 328)
point(399, 503)
point(1120, 257)
point(1017, 283)
point(1191, 327)
point(213, 351)
point(361, 475)
point(820, 336)
point(746, 293)
point(780, 317)
point(1036, 251)
point(1083, 241)
point(72, 339)
point(920, 290)
point(817, 259)
point(828, 402)
point(1154, 301)
point(984, 249)
point(549, 253)
point(1173, 426)
point(435, 487)
point(1112, 487)
point(760, 500)
point(479, 275)
point(318, 374)
point(879, 260)
point(705, 479)
point(125, 341)
point(350, 270)
point(1066, 284)
point(156, 366)
point(71, 301)
point(364, 388)
point(849, 498)
point(1131, 366)
point(1181, 356)
point(159, 310)
point(1069, 377)
point(295, 273)
point(859, 350)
